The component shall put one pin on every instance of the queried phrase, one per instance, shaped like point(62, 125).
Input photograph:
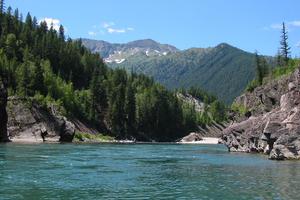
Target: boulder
point(192, 137)
point(67, 131)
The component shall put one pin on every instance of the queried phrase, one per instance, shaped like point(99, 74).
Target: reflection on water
point(142, 171)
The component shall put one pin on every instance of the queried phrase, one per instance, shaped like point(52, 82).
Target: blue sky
point(248, 24)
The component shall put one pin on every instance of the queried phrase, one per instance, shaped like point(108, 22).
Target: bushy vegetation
point(240, 109)
point(37, 61)
point(83, 137)
point(291, 66)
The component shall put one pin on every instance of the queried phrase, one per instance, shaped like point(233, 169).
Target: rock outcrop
point(30, 122)
point(192, 137)
point(3, 113)
point(273, 127)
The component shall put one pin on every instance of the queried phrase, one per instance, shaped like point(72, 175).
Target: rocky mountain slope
point(271, 124)
point(217, 70)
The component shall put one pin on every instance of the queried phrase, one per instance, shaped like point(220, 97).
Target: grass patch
point(81, 136)
point(238, 108)
point(290, 68)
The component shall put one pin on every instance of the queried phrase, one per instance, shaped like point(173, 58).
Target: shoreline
point(206, 140)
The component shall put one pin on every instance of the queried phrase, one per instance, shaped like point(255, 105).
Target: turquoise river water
point(142, 171)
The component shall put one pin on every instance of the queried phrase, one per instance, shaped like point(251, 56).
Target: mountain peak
point(122, 51)
point(224, 45)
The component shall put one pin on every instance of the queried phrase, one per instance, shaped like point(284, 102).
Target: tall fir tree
point(262, 68)
point(61, 33)
point(130, 109)
point(2, 6)
point(285, 49)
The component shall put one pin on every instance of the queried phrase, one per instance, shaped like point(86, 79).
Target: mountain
point(117, 53)
point(223, 70)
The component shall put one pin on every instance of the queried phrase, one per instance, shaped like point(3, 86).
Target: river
point(142, 171)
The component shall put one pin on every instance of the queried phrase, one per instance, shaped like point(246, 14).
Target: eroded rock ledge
point(29, 122)
point(273, 127)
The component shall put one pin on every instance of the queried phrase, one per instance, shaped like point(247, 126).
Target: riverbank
point(205, 140)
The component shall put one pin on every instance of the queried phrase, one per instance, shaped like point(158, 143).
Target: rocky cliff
point(272, 122)
point(30, 122)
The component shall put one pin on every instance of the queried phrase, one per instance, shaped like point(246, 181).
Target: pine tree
point(130, 109)
point(98, 95)
point(285, 49)
point(261, 68)
point(2, 5)
point(61, 33)
point(24, 79)
point(38, 82)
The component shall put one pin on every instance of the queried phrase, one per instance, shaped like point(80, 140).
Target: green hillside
point(224, 70)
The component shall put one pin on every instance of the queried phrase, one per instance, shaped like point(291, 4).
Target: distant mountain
point(223, 70)
point(117, 53)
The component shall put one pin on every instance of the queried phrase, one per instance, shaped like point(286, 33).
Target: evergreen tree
point(130, 109)
point(61, 33)
point(285, 49)
point(259, 69)
point(2, 6)
point(98, 96)
point(38, 82)
point(262, 68)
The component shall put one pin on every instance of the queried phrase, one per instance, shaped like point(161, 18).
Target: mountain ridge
point(216, 69)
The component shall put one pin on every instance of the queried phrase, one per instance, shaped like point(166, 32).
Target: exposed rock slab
point(274, 130)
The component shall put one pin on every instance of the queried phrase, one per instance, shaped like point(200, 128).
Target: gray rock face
point(3, 113)
point(275, 132)
point(29, 122)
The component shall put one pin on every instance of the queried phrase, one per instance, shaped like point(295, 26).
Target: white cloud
point(276, 26)
point(108, 24)
point(51, 22)
point(112, 30)
point(289, 25)
point(298, 44)
point(294, 23)
point(92, 33)
point(108, 27)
